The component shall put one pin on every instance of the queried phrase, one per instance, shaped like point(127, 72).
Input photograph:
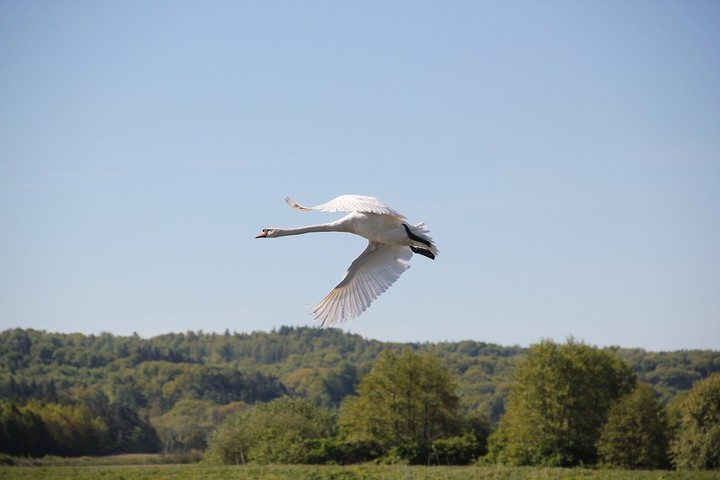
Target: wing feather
point(349, 203)
point(369, 275)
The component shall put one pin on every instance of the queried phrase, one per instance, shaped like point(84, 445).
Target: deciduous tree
point(558, 403)
point(697, 445)
point(635, 435)
point(406, 402)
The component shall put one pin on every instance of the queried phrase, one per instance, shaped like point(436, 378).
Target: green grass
point(354, 472)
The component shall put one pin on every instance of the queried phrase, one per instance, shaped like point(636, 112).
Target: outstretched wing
point(349, 203)
point(369, 275)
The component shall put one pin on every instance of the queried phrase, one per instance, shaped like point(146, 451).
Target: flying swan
point(391, 243)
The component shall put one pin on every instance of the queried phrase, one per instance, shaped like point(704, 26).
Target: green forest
point(307, 395)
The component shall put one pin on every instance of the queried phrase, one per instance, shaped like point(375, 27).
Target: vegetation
point(348, 399)
point(405, 404)
point(72, 429)
point(406, 411)
point(282, 431)
point(353, 472)
point(187, 425)
point(559, 402)
point(636, 433)
point(697, 445)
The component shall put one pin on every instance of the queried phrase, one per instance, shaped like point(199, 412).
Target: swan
point(391, 243)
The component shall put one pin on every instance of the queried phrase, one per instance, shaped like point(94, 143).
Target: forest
point(76, 394)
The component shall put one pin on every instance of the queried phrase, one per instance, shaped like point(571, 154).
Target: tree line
point(569, 405)
point(39, 428)
point(181, 387)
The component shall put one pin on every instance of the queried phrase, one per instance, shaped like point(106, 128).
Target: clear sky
point(565, 155)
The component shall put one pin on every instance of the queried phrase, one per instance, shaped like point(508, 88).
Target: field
point(305, 472)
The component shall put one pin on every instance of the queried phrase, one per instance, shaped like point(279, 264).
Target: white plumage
point(391, 243)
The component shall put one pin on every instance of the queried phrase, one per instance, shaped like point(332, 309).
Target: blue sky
point(565, 155)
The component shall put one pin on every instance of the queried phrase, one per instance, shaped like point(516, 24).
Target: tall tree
point(558, 403)
point(405, 403)
point(697, 445)
point(635, 435)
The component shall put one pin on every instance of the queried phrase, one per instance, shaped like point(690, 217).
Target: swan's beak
point(262, 235)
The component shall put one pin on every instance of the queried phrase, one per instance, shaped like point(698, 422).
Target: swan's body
point(391, 243)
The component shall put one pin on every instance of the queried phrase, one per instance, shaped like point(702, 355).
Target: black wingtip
point(424, 252)
point(412, 236)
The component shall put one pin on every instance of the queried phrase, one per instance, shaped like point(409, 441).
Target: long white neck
point(323, 227)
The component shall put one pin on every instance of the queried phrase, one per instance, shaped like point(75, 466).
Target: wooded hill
point(148, 391)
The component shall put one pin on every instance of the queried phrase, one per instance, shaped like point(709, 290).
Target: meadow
point(355, 472)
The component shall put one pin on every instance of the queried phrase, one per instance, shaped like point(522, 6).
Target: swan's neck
point(323, 227)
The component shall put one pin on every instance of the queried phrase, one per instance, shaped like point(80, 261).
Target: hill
point(169, 380)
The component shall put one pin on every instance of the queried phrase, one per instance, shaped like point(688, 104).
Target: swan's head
point(267, 233)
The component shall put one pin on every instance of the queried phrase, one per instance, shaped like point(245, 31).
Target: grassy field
point(354, 472)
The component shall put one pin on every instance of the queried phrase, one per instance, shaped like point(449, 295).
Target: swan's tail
point(425, 244)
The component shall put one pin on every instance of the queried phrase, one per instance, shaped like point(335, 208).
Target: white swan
point(392, 242)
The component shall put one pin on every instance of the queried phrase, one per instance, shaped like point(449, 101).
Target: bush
point(282, 431)
point(459, 450)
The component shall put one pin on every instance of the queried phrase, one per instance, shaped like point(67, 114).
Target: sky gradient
point(565, 155)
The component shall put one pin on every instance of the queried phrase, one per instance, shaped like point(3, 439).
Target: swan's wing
point(349, 203)
point(368, 277)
